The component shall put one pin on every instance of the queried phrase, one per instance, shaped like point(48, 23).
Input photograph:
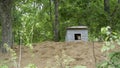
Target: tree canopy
point(34, 20)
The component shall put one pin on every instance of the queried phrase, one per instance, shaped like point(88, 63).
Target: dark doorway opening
point(77, 36)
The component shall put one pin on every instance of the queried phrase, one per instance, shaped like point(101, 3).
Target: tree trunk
point(119, 1)
point(6, 22)
point(106, 6)
point(50, 10)
point(56, 22)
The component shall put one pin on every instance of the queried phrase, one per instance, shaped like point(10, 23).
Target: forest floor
point(51, 54)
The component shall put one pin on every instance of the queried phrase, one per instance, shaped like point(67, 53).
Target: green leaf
point(103, 30)
point(4, 66)
point(105, 48)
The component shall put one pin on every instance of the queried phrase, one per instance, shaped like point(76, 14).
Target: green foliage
point(106, 30)
point(91, 14)
point(3, 66)
point(34, 18)
point(113, 62)
point(13, 55)
point(32, 21)
point(113, 59)
point(109, 38)
point(13, 59)
point(31, 66)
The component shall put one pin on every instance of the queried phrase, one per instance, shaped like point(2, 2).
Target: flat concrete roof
point(77, 27)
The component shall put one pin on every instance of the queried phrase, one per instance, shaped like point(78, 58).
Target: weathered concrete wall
point(70, 35)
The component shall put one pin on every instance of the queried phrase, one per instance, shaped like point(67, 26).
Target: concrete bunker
point(77, 33)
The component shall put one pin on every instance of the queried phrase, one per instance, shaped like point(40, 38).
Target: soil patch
point(44, 54)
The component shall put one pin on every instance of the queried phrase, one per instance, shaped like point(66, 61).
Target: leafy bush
point(113, 59)
point(113, 62)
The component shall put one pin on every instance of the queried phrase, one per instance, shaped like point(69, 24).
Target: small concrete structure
point(77, 33)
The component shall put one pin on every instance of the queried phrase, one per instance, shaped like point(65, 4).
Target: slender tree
point(50, 3)
point(116, 9)
point(119, 1)
point(6, 22)
point(106, 6)
point(56, 22)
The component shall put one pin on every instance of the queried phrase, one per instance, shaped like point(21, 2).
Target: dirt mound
point(44, 54)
